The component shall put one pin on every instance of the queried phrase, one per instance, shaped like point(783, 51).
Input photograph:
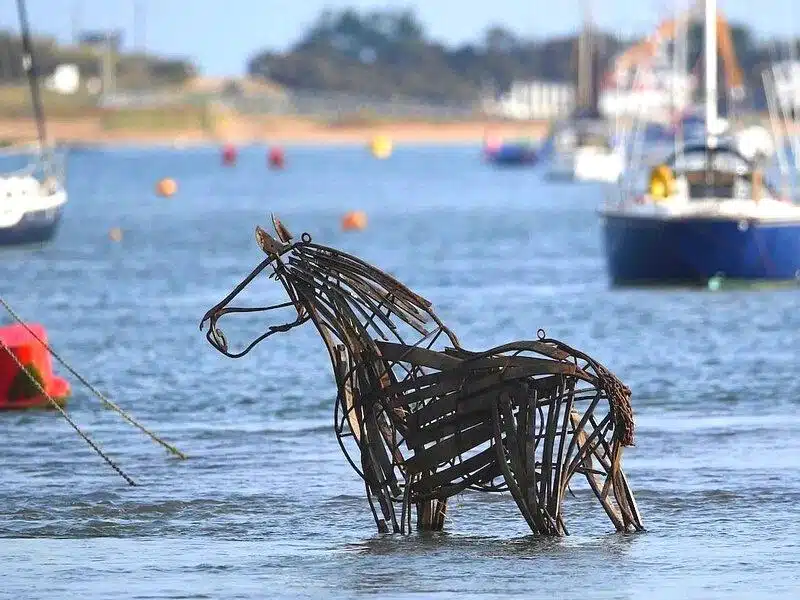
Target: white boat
point(583, 150)
point(30, 207)
point(707, 213)
point(32, 200)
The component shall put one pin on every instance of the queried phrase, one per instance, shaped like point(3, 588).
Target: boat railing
point(783, 124)
point(631, 134)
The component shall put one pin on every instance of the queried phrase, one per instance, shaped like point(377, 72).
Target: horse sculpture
point(420, 424)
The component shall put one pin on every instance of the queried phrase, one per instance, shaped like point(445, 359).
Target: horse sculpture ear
point(280, 229)
point(267, 243)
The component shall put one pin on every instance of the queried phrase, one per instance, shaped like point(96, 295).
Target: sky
point(220, 35)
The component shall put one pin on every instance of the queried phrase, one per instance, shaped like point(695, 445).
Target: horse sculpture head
point(278, 251)
point(349, 300)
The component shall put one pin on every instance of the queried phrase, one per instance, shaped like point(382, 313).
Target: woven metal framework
point(421, 419)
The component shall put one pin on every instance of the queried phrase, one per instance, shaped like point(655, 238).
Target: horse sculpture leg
point(625, 515)
point(431, 515)
point(379, 473)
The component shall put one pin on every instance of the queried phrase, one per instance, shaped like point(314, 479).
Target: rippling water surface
point(267, 507)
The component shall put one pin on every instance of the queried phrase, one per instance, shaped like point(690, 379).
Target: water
point(267, 507)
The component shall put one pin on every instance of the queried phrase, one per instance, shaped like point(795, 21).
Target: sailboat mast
point(585, 56)
point(682, 94)
point(30, 68)
point(711, 66)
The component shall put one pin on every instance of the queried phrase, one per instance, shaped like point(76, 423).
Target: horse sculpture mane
point(421, 419)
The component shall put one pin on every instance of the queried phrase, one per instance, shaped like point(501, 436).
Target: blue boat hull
point(35, 227)
point(643, 250)
point(512, 155)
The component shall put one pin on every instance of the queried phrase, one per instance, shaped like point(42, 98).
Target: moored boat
point(510, 153)
point(32, 199)
point(709, 211)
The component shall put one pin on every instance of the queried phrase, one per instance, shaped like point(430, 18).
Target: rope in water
point(57, 406)
point(93, 389)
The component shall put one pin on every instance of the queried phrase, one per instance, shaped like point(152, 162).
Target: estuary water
point(266, 506)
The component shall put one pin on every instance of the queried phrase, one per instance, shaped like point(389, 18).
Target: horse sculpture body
point(421, 424)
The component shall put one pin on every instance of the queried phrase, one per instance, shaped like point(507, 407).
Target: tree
point(500, 40)
point(402, 60)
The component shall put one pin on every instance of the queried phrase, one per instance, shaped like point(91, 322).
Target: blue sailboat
point(708, 213)
point(510, 153)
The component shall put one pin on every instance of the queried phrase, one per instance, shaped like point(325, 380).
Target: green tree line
point(387, 53)
point(131, 70)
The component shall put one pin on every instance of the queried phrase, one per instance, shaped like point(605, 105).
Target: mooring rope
point(57, 406)
point(93, 389)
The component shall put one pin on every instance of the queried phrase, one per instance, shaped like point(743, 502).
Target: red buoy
point(17, 390)
point(276, 158)
point(229, 154)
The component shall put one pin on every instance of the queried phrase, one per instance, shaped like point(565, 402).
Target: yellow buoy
point(354, 220)
point(381, 147)
point(166, 187)
point(115, 234)
point(662, 182)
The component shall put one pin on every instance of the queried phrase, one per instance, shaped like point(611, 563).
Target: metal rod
point(29, 64)
point(711, 67)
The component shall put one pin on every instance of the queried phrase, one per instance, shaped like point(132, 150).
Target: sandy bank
point(90, 130)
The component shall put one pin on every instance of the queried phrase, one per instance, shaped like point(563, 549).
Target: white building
point(533, 100)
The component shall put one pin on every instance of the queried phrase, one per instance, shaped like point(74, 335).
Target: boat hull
point(511, 155)
point(35, 227)
point(652, 250)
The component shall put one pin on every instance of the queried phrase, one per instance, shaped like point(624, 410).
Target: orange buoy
point(276, 158)
point(166, 187)
point(229, 154)
point(115, 234)
point(17, 390)
point(355, 220)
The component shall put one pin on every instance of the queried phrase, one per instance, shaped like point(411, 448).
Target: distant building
point(533, 100)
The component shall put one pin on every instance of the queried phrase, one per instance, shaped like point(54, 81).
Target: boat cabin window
point(718, 173)
point(713, 184)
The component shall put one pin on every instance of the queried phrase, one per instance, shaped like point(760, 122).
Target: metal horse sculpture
point(420, 424)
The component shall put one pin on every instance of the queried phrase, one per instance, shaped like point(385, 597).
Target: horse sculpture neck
point(352, 303)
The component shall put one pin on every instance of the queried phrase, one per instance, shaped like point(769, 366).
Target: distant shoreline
point(284, 130)
point(275, 130)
